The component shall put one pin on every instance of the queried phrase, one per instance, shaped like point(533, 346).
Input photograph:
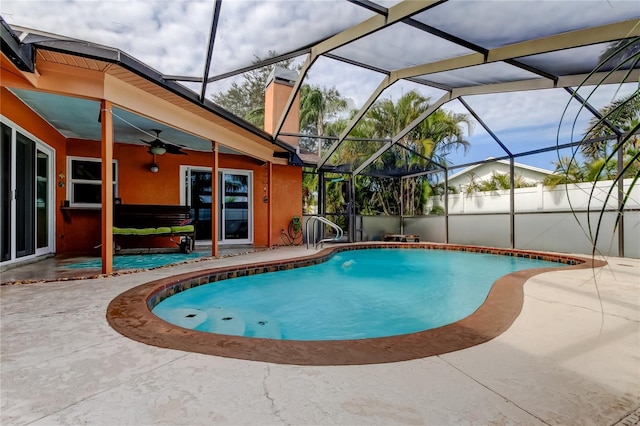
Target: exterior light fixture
point(154, 168)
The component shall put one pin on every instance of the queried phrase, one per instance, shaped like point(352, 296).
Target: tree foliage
point(429, 142)
point(496, 182)
point(624, 114)
point(323, 112)
point(600, 158)
point(245, 97)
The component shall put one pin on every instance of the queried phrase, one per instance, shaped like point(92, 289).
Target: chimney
point(279, 86)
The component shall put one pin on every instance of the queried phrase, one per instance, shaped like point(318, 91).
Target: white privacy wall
point(564, 219)
point(561, 198)
point(545, 220)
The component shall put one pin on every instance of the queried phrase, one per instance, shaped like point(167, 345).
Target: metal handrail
point(314, 219)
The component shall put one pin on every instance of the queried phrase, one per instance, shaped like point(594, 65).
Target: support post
point(106, 148)
point(352, 209)
point(215, 197)
point(512, 203)
point(401, 205)
point(322, 203)
point(446, 206)
point(620, 199)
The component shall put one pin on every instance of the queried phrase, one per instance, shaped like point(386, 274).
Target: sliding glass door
point(6, 193)
point(26, 196)
point(235, 206)
point(197, 194)
point(235, 218)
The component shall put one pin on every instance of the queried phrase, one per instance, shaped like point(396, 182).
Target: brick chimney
point(279, 86)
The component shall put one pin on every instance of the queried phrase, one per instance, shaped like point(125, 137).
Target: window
point(85, 181)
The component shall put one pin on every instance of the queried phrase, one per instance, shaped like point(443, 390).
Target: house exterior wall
point(78, 230)
point(286, 198)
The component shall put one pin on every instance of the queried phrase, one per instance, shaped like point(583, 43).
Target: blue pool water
point(139, 261)
point(356, 294)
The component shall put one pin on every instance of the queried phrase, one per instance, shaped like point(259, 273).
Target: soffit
point(81, 129)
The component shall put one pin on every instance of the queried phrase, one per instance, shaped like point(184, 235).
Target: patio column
point(107, 186)
point(215, 194)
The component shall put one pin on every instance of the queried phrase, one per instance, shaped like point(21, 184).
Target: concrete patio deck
point(572, 357)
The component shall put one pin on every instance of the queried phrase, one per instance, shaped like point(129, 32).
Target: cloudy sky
point(171, 36)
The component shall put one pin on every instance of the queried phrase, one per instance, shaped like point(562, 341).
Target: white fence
point(562, 198)
point(546, 220)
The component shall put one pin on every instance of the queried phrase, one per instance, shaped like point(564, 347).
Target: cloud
point(168, 36)
point(250, 29)
point(172, 37)
point(497, 23)
point(400, 46)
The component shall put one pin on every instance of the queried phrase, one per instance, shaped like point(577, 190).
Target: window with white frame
point(84, 181)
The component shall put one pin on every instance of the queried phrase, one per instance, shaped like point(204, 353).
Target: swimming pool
point(130, 313)
point(356, 294)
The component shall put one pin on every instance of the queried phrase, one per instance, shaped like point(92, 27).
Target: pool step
point(183, 317)
point(243, 323)
point(225, 321)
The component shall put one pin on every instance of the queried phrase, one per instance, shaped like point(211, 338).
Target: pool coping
point(130, 314)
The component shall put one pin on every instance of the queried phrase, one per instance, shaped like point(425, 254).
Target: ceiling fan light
point(157, 150)
point(154, 168)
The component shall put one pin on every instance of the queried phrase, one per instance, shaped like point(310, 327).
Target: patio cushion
point(123, 231)
point(143, 231)
point(186, 228)
point(163, 230)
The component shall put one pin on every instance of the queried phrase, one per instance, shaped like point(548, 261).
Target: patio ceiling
point(77, 118)
point(447, 49)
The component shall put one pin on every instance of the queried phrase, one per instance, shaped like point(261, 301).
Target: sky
point(171, 36)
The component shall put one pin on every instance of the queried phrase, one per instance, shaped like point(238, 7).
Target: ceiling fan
point(158, 147)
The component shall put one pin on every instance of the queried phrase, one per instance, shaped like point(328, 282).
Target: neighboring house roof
point(467, 173)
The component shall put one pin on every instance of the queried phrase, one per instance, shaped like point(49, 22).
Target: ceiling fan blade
point(172, 149)
point(169, 147)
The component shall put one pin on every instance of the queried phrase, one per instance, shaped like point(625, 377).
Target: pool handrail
point(322, 219)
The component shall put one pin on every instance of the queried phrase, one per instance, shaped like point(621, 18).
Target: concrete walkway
point(572, 357)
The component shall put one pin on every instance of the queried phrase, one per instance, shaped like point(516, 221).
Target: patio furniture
point(402, 238)
point(149, 220)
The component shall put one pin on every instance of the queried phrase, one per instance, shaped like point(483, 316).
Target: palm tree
point(433, 138)
point(497, 181)
point(567, 170)
point(318, 107)
point(623, 113)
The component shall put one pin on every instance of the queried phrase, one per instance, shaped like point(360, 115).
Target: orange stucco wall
point(286, 181)
point(137, 185)
point(286, 198)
